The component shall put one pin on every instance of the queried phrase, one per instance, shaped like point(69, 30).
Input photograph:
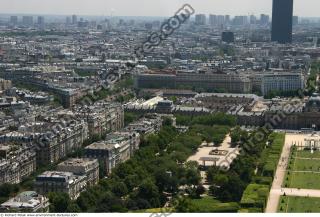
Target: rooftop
point(77, 162)
point(27, 199)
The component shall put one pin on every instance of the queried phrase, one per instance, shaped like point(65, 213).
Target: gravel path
point(275, 192)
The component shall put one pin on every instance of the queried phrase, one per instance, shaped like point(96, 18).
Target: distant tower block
point(227, 37)
point(282, 15)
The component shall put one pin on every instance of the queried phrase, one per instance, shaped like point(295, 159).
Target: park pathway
point(296, 192)
point(275, 192)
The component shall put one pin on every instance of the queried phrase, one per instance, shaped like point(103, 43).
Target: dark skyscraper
point(282, 14)
point(227, 37)
point(74, 19)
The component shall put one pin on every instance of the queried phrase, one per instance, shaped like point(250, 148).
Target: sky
point(305, 8)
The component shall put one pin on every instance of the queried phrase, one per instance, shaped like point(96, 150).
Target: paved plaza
point(220, 160)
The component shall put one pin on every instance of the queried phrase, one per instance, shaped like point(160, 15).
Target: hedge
point(210, 205)
point(255, 196)
point(275, 150)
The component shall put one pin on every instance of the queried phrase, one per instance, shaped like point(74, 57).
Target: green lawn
point(306, 165)
point(250, 210)
point(307, 154)
point(208, 204)
point(296, 177)
point(299, 204)
point(155, 210)
point(304, 180)
point(204, 205)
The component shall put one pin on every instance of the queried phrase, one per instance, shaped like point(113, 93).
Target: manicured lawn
point(155, 210)
point(303, 173)
point(307, 154)
point(208, 204)
point(304, 180)
point(299, 204)
point(306, 165)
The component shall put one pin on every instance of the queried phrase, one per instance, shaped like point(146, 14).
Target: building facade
point(60, 141)
point(16, 163)
point(282, 82)
point(226, 82)
point(102, 117)
point(117, 148)
point(82, 167)
point(55, 181)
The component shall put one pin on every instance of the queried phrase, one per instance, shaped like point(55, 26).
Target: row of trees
point(145, 180)
point(156, 171)
point(208, 120)
point(7, 190)
point(312, 79)
point(275, 93)
point(229, 185)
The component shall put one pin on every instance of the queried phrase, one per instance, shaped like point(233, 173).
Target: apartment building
point(146, 125)
point(56, 181)
point(16, 162)
point(82, 167)
point(118, 147)
point(102, 117)
point(282, 81)
point(60, 141)
point(228, 82)
point(52, 140)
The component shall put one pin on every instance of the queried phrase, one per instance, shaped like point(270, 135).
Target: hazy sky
point(310, 8)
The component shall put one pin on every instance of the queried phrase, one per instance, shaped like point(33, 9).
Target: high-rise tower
point(282, 13)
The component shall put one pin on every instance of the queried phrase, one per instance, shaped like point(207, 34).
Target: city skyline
point(159, 107)
point(150, 8)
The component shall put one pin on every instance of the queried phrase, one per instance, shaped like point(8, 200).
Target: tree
point(184, 205)
point(244, 167)
point(142, 203)
point(200, 190)
point(132, 181)
point(119, 189)
point(7, 189)
point(229, 191)
point(192, 177)
point(73, 208)
point(129, 117)
point(88, 199)
point(165, 181)
point(59, 202)
point(192, 165)
point(235, 135)
point(179, 157)
point(109, 203)
point(149, 191)
point(220, 179)
point(211, 173)
point(167, 121)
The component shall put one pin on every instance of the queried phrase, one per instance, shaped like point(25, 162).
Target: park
point(300, 190)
